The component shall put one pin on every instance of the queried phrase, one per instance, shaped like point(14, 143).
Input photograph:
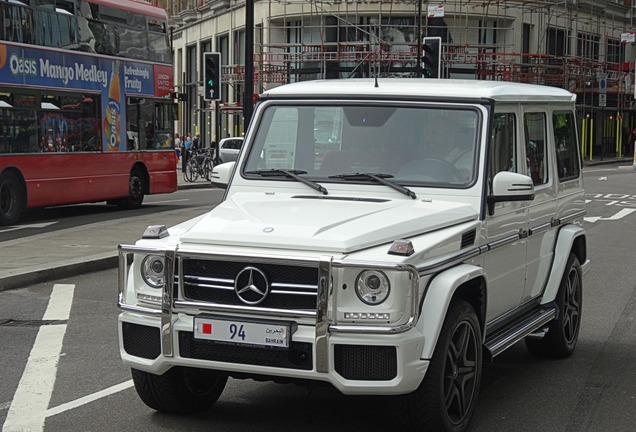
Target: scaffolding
point(559, 43)
point(572, 44)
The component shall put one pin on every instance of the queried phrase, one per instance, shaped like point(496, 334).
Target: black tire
point(563, 332)
point(181, 390)
point(446, 398)
point(12, 199)
point(136, 191)
point(191, 172)
point(207, 170)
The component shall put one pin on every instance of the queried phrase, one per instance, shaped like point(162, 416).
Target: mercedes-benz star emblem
point(251, 286)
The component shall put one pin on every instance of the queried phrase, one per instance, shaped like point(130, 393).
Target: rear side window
point(536, 155)
point(565, 142)
point(503, 149)
point(233, 144)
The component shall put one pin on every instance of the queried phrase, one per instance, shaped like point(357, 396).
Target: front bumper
point(356, 364)
point(354, 357)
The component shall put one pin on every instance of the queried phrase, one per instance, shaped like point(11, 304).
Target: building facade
point(584, 46)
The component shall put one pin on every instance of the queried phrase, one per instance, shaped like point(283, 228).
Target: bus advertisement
point(86, 122)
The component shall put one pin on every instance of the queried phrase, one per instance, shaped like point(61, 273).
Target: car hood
point(329, 224)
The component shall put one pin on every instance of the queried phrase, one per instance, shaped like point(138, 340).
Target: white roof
point(426, 88)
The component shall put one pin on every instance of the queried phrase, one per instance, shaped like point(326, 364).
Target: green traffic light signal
point(212, 76)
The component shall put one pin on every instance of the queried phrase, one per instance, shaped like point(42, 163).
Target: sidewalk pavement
point(93, 247)
point(82, 249)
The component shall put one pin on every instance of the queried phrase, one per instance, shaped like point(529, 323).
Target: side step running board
point(504, 339)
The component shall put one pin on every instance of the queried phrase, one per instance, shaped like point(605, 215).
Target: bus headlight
point(372, 287)
point(152, 271)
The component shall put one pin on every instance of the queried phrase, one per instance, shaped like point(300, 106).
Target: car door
point(505, 261)
point(539, 156)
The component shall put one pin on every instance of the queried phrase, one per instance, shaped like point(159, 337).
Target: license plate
point(261, 333)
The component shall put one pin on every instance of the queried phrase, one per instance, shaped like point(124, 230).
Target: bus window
point(17, 22)
point(54, 26)
point(106, 38)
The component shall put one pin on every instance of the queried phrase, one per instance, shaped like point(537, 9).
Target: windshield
point(428, 145)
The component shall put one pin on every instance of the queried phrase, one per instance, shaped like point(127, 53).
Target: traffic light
point(212, 76)
point(432, 57)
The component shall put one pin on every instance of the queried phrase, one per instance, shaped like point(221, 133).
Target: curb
point(629, 161)
point(52, 271)
point(195, 186)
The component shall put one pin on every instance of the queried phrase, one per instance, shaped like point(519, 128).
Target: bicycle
point(199, 164)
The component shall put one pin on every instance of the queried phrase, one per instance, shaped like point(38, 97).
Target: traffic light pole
point(248, 90)
point(418, 67)
point(219, 131)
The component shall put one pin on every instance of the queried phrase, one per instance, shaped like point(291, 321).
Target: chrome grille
point(292, 287)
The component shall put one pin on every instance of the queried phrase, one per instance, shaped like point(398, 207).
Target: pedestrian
point(186, 151)
point(177, 145)
point(631, 139)
point(196, 143)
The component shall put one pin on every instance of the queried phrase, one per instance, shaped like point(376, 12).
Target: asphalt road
point(594, 390)
point(45, 220)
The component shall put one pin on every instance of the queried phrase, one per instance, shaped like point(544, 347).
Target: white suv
point(439, 224)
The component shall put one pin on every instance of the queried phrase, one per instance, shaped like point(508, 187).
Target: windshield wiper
point(292, 173)
point(380, 178)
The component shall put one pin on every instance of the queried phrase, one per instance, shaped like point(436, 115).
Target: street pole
point(248, 89)
point(219, 130)
point(418, 58)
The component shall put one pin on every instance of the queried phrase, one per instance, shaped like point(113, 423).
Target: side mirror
point(510, 186)
point(221, 174)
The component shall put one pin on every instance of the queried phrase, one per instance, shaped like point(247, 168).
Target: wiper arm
point(292, 173)
point(380, 178)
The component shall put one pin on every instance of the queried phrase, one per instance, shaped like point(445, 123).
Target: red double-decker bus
point(85, 107)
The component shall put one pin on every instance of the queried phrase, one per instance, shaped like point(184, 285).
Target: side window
point(536, 155)
point(503, 140)
point(567, 155)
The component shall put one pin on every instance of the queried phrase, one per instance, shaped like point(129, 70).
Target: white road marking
point(621, 214)
point(60, 303)
point(31, 399)
point(88, 399)
point(37, 225)
point(167, 201)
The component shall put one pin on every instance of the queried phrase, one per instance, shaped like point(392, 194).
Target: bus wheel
point(11, 198)
point(137, 187)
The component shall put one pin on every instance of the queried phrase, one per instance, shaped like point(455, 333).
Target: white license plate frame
point(243, 331)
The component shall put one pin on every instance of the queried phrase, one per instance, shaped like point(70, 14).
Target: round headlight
point(372, 287)
point(152, 271)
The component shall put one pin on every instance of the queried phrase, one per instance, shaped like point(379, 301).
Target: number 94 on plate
point(243, 332)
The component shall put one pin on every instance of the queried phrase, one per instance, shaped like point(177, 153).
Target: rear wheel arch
point(571, 239)
point(579, 248)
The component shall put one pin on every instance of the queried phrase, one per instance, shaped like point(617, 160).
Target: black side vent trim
point(468, 238)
